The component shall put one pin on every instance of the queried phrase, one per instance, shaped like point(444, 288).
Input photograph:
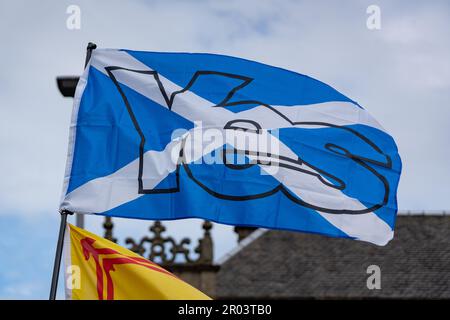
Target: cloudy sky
point(400, 73)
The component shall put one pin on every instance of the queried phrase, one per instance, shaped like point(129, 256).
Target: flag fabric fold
point(98, 269)
point(181, 135)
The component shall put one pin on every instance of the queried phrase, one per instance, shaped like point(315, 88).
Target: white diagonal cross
point(105, 193)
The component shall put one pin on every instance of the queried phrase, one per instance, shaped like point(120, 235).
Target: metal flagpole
point(64, 213)
point(79, 218)
point(90, 47)
point(58, 255)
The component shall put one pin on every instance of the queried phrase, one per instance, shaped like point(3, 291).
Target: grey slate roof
point(281, 264)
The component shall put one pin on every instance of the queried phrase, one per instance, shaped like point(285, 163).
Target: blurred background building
point(269, 264)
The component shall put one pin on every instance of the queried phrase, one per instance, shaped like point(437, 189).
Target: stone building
point(269, 264)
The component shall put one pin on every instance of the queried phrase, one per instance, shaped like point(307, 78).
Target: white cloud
point(400, 73)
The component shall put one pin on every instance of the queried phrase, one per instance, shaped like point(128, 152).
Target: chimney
point(243, 232)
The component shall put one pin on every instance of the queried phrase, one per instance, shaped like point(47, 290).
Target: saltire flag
point(182, 135)
point(98, 269)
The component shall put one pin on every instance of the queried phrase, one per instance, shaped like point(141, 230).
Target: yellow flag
point(98, 269)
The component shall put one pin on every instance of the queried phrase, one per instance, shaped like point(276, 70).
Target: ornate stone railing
point(165, 250)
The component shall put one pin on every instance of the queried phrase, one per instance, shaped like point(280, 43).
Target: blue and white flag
point(181, 135)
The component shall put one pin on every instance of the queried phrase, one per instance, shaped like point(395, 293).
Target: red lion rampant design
point(106, 265)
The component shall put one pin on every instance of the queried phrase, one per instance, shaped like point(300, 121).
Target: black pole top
point(65, 212)
point(90, 47)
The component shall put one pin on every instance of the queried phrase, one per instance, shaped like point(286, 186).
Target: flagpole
point(64, 213)
point(79, 218)
point(58, 255)
point(90, 47)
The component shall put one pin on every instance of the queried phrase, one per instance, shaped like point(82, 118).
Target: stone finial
point(167, 251)
point(108, 225)
point(205, 245)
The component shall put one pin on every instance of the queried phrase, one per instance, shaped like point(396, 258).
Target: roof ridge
point(424, 212)
point(241, 245)
point(260, 231)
